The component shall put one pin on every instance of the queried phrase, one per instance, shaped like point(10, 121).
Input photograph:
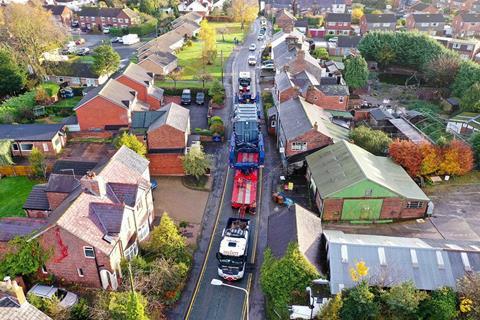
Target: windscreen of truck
point(230, 261)
point(244, 82)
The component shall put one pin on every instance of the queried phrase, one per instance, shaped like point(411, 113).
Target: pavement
point(201, 300)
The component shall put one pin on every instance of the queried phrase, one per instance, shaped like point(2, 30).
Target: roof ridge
point(348, 146)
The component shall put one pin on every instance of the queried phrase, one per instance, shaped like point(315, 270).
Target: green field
point(190, 58)
point(13, 193)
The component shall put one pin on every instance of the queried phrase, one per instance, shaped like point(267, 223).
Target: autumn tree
point(204, 76)
point(407, 154)
point(175, 75)
point(208, 35)
point(131, 141)
point(196, 162)
point(357, 14)
point(469, 290)
point(37, 162)
point(374, 141)
point(457, 158)
point(29, 30)
point(432, 158)
point(105, 60)
point(127, 306)
point(359, 303)
point(244, 11)
point(441, 71)
point(356, 72)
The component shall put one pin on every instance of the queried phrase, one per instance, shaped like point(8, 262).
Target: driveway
point(198, 116)
point(86, 151)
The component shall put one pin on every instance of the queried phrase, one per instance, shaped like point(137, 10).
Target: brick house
point(165, 133)
point(100, 222)
point(191, 16)
point(421, 7)
point(62, 14)
point(159, 63)
point(466, 48)
point(168, 42)
point(432, 24)
point(338, 23)
point(303, 128)
point(114, 101)
point(91, 17)
point(285, 20)
point(351, 184)
point(317, 7)
point(377, 22)
point(12, 227)
point(74, 74)
point(142, 81)
point(466, 25)
point(345, 46)
point(48, 138)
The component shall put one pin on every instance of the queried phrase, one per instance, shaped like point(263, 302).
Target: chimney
point(315, 126)
point(13, 289)
point(94, 184)
point(301, 54)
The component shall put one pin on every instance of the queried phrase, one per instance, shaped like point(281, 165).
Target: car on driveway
point(252, 60)
point(67, 299)
point(252, 47)
point(79, 41)
point(186, 97)
point(83, 51)
point(268, 66)
point(200, 98)
point(66, 93)
point(106, 30)
point(117, 40)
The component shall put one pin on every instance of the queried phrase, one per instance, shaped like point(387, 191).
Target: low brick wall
point(91, 134)
point(166, 164)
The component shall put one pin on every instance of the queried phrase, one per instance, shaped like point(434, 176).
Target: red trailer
point(244, 196)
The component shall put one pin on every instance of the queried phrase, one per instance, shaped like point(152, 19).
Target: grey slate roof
point(138, 74)
point(12, 227)
point(162, 58)
point(55, 10)
point(110, 216)
point(298, 225)
point(79, 168)
point(10, 309)
point(338, 17)
point(105, 12)
point(37, 198)
point(348, 41)
point(380, 115)
point(282, 81)
point(334, 90)
point(471, 17)
point(380, 18)
point(175, 116)
point(62, 183)
point(29, 132)
point(427, 17)
point(143, 119)
point(393, 260)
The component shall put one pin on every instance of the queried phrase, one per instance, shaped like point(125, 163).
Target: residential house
point(91, 17)
point(464, 123)
point(114, 101)
point(345, 46)
point(466, 25)
point(188, 29)
point(351, 184)
point(62, 14)
point(421, 7)
point(167, 42)
point(303, 128)
point(285, 20)
point(377, 22)
point(48, 138)
point(165, 132)
point(338, 24)
point(433, 24)
point(74, 74)
point(100, 222)
point(12, 227)
point(160, 63)
point(14, 305)
point(466, 48)
point(302, 26)
point(200, 7)
point(74, 5)
point(142, 81)
point(317, 7)
point(285, 47)
point(428, 264)
point(190, 16)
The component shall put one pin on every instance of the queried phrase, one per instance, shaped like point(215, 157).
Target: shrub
point(442, 305)
point(80, 311)
point(359, 303)
point(217, 128)
point(374, 141)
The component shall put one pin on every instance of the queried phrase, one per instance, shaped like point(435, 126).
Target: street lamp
point(217, 282)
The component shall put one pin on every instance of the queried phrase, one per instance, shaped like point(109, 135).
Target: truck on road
point(244, 81)
point(232, 255)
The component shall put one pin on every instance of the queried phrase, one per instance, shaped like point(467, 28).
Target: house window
point(143, 231)
point(81, 18)
point(376, 25)
point(80, 272)
point(75, 80)
point(15, 147)
point(434, 24)
point(414, 204)
point(331, 24)
point(470, 47)
point(126, 20)
point(386, 25)
point(299, 146)
point(26, 146)
point(140, 206)
point(273, 124)
point(45, 147)
point(340, 99)
point(88, 252)
point(92, 18)
point(120, 20)
point(368, 192)
point(424, 24)
point(456, 46)
point(103, 18)
point(131, 251)
point(114, 19)
point(56, 142)
point(44, 269)
point(60, 79)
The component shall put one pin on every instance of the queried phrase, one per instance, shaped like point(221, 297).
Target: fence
point(24, 171)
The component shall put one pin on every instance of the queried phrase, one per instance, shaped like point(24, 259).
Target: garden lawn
point(13, 193)
point(190, 58)
point(67, 103)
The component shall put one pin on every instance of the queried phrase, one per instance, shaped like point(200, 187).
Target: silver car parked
point(67, 299)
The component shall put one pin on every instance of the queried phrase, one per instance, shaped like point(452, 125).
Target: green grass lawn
point(190, 58)
point(13, 193)
point(84, 59)
point(67, 103)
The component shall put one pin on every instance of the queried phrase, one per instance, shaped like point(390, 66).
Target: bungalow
point(188, 29)
point(421, 7)
point(160, 63)
point(466, 25)
point(433, 24)
point(74, 74)
point(464, 123)
point(200, 7)
point(168, 42)
point(74, 5)
point(191, 16)
point(345, 46)
point(351, 184)
point(165, 132)
point(338, 23)
point(48, 138)
point(114, 101)
point(142, 81)
point(377, 22)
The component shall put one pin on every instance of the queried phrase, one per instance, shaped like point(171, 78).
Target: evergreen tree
point(105, 60)
point(12, 76)
point(196, 162)
point(356, 72)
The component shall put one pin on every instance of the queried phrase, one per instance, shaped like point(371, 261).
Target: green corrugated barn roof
point(344, 164)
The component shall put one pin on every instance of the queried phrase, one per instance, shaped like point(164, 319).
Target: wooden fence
point(11, 171)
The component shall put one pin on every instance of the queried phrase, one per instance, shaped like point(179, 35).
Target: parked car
point(106, 30)
point(252, 47)
point(66, 93)
point(333, 39)
point(260, 37)
point(153, 183)
point(117, 40)
point(75, 24)
point(83, 51)
point(268, 66)
point(263, 22)
point(252, 60)
point(186, 97)
point(67, 299)
point(79, 41)
point(200, 98)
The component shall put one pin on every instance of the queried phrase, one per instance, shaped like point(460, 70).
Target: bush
point(80, 311)
point(215, 119)
point(374, 141)
point(359, 303)
point(217, 98)
point(217, 128)
point(442, 305)
point(203, 132)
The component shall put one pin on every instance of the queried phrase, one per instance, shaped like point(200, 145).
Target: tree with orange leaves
point(432, 157)
point(408, 155)
point(457, 158)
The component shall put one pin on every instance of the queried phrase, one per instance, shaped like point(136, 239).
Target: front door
point(363, 209)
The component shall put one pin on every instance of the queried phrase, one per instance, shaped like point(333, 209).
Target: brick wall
point(166, 137)
point(55, 199)
point(40, 145)
point(314, 140)
point(166, 164)
point(111, 114)
point(332, 209)
point(91, 134)
point(37, 213)
point(288, 94)
point(140, 88)
point(317, 97)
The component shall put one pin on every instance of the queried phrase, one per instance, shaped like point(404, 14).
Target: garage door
point(365, 209)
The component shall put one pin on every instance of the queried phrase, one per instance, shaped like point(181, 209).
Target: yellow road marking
point(192, 301)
